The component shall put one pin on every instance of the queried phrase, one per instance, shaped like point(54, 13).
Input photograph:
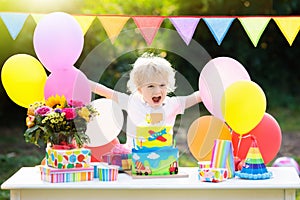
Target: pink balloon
point(71, 83)
point(215, 77)
point(58, 41)
point(268, 136)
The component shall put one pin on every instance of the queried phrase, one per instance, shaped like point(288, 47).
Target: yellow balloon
point(243, 106)
point(23, 78)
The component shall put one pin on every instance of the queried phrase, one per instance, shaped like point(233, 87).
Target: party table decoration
point(119, 156)
point(54, 175)
point(222, 156)
point(61, 125)
point(214, 175)
point(254, 167)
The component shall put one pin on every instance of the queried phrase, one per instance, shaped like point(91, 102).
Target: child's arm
point(192, 99)
point(102, 90)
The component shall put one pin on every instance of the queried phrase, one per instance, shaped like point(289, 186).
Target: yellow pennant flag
point(254, 27)
point(84, 22)
point(289, 27)
point(113, 25)
point(37, 17)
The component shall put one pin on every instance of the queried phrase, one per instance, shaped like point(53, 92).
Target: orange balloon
point(202, 134)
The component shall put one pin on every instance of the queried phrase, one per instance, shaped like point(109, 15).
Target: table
point(25, 184)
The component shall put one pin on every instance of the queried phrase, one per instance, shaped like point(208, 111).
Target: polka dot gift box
point(67, 159)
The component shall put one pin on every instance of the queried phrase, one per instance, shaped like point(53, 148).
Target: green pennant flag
point(254, 27)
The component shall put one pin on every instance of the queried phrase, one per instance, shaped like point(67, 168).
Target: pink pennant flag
point(185, 27)
point(148, 26)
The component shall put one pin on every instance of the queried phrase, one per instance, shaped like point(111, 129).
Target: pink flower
point(70, 113)
point(44, 110)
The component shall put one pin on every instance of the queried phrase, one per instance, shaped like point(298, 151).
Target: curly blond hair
point(148, 68)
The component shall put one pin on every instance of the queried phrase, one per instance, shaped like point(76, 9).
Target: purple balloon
point(71, 83)
point(215, 77)
point(58, 41)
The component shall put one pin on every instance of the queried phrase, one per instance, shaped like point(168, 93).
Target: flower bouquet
point(61, 125)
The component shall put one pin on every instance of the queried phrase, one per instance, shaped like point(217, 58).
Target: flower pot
point(68, 158)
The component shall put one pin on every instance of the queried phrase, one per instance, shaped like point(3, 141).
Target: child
point(151, 79)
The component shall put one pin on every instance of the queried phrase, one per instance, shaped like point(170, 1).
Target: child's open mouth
point(156, 99)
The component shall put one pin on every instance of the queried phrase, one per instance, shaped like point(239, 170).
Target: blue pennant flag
point(14, 22)
point(218, 27)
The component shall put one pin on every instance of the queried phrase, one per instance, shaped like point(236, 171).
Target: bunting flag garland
point(84, 22)
point(37, 17)
point(14, 22)
point(148, 26)
point(113, 25)
point(289, 27)
point(218, 27)
point(254, 27)
point(185, 27)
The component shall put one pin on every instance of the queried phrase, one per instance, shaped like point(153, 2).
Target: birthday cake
point(154, 153)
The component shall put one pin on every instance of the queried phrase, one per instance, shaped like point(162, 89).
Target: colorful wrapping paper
point(222, 156)
point(108, 173)
point(122, 160)
point(54, 175)
point(204, 164)
point(214, 175)
point(67, 159)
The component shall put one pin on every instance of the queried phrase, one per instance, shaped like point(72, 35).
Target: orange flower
point(30, 121)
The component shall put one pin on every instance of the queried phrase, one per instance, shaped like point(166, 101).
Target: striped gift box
point(108, 173)
point(54, 175)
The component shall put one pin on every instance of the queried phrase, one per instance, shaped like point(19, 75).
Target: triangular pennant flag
point(113, 25)
point(254, 27)
point(37, 17)
point(148, 26)
point(14, 22)
point(289, 27)
point(185, 26)
point(218, 27)
point(84, 22)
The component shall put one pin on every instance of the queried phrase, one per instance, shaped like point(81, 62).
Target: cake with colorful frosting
point(154, 153)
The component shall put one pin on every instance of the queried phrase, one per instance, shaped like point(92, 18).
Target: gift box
point(121, 160)
point(108, 172)
point(204, 164)
point(119, 156)
point(54, 175)
point(222, 156)
point(67, 159)
point(214, 175)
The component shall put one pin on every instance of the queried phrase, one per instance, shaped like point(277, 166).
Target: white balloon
point(105, 127)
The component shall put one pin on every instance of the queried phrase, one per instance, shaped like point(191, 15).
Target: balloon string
point(240, 140)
